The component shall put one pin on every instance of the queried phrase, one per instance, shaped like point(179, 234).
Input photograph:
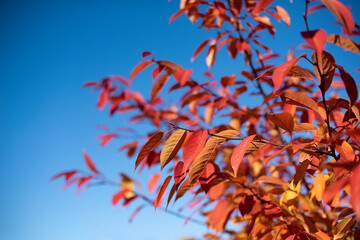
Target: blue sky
point(48, 50)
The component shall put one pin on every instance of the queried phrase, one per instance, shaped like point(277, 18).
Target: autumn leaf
point(344, 43)
point(193, 146)
point(319, 186)
point(153, 181)
point(350, 85)
point(239, 152)
point(299, 99)
point(281, 71)
point(283, 120)
point(161, 191)
point(342, 13)
point(149, 145)
point(172, 146)
point(283, 14)
point(141, 66)
point(182, 76)
point(199, 49)
point(159, 84)
point(118, 196)
point(90, 163)
point(355, 190)
point(210, 57)
point(260, 5)
point(316, 39)
point(103, 97)
point(204, 156)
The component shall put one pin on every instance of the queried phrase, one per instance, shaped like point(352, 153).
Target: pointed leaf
point(299, 99)
point(161, 191)
point(350, 84)
point(344, 43)
point(172, 146)
point(210, 57)
point(319, 186)
point(141, 66)
point(316, 39)
point(199, 49)
point(153, 181)
point(260, 6)
point(283, 14)
point(103, 97)
point(182, 76)
point(281, 71)
point(283, 120)
point(204, 156)
point(152, 142)
point(185, 186)
point(193, 146)
point(355, 190)
point(118, 196)
point(207, 177)
point(90, 163)
point(239, 152)
point(342, 13)
point(158, 85)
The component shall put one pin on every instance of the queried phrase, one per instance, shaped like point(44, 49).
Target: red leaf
point(355, 190)
point(193, 147)
point(181, 11)
point(246, 205)
point(260, 6)
point(242, 46)
point(106, 138)
point(68, 175)
point(118, 196)
point(103, 98)
point(82, 181)
point(239, 152)
point(161, 191)
point(90, 84)
point(283, 120)
point(331, 192)
point(182, 76)
point(283, 14)
point(141, 66)
point(207, 177)
point(342, 13)
point(157, 71)
point(350, 84)
point(148, 146)
point(179, 173)
point(119, 79)
point(220, 215)
point(90, 163)
point(281, 71)
point(136, 212)
point(146, 54)
point(316, 39)
point(154, 179)
point(199, 49)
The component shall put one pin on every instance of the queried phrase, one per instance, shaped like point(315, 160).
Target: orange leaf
point(239, 152)
point(161, 191)
point(283, 14)
point(141, 66)
point(154, 139)
point(299, 99)
point(179, 173)
point(172, 146)
point(283, 120)
point(181, 11)
point(159, 84)
point(154, 179)
point(281, 71)
point(344, 43)
point(90, 163)
point(319, 186)
point(106, 138)
point(198, 166)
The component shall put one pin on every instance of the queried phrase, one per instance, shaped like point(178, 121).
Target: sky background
point(48, 50)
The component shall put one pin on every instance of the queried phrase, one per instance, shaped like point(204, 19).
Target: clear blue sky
point(48, 50)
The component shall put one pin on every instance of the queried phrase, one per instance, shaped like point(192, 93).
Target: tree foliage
point(286, 168)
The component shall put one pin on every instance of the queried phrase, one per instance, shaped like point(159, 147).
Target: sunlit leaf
point(172, 146)
point(161, 191)
point(90, 163)
point(152, 142)
point(239, 153)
